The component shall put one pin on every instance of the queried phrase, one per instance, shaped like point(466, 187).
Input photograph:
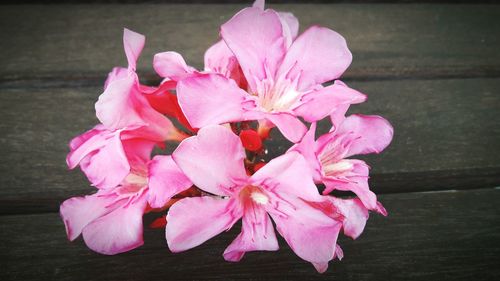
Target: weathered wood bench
point(432, 69)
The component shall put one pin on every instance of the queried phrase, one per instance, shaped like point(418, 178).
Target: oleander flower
point(284, 81)
point(115, 157)
point(328, 156)
point(110, 220)
point(283, 189)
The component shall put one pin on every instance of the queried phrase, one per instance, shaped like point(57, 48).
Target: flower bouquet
point(260, 76)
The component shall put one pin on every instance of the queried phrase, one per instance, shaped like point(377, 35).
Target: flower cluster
point(261, 75)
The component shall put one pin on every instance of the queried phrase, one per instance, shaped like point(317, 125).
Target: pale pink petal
point(311, 234)
point(256, 38)
point(290, 26)
point(289, 173)
point(115, 74)
point(118, 231)
point(259, 4)
point(355, 215)
point(194, 220)
point(257, 234)
point(165, 180)
point(307, 147)
point(172, 65)
point(317, 105)
point(212, 160)
point(78, 212)
point(212, 99)
point(369, 133)
point(289, 125)
point(133, 43)
point(318, 55)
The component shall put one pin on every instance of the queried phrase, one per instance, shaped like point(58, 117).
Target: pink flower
point(123, 105)
point(111, 220)
point(284, 76)
point(283, 189)
point(115, 157)
point(356, 134)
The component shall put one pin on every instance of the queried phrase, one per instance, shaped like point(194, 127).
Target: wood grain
point(427, 236)
point(61, 43)
point(446, 133)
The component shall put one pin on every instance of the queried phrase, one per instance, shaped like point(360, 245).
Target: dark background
point(430, 67)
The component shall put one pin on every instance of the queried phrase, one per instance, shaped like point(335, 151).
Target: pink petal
point(219, 58)
point(317, 105)
point(290, 26)
point(369, 133)
point(123, 105)
point(118, 231)
point(171, 65)
point(307, 148)
point(257, 234)
point(212, 99)
point(357, 183)
point(318, 55)
point(116, 73)
point(133, 43)
point(310, 233)
point(290, 126)
point(212, 160)
point(78, 212)
point(138, 151)
point(165, 180)
point(194, 220)
point(101, 157)
point(355, 215)
point(289, 173)
point(256, 38)
point(259, 4)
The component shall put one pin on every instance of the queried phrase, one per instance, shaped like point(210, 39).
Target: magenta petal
point(211, 99)
point(194, 220)
point(318, 55)
point(171, 65)
point(165, 180)
point(355, 215)
point(256, 38)
point(310, 233)
point(212, 160)
point(290, 126)
point(78, 212)
point(118, 231)
point(133, 43)
point(369, 133)
point(257, 234)
point(317, 105)
point(289, 173)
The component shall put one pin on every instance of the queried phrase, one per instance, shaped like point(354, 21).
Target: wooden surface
point(432, 70)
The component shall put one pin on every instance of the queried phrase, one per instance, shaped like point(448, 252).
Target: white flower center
point(338, 167)
point(259, 198)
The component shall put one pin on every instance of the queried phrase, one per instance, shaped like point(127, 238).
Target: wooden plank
point(61, 43)
point(427, 236)
point(446, 133)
